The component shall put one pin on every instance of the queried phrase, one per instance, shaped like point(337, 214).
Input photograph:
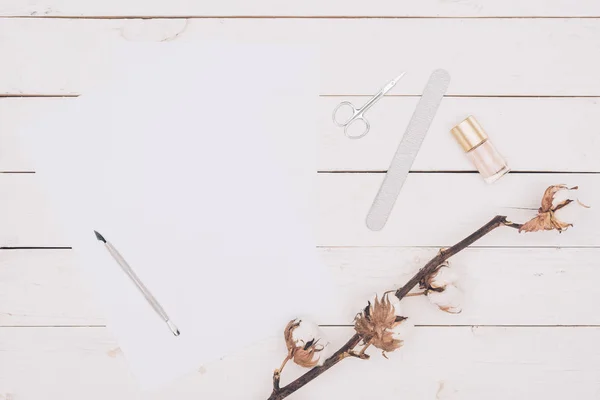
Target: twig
point(347, 349)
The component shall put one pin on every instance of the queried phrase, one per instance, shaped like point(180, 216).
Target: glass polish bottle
point(482, 153)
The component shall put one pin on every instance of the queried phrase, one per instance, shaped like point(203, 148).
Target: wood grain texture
point(429, 8)
point(534, 134)
point(539, 57)
point(515, 363)
point(432, 210)
point(47, 288)
point(541, 286)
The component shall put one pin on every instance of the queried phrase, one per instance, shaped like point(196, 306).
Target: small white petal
point(444, 276)
point(449, 300)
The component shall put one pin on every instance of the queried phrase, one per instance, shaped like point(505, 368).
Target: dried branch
point(347, 350)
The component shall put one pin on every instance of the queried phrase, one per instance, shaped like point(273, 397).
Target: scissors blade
point(392, 83)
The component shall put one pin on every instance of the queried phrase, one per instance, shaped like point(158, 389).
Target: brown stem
point(446, 253)
point(413, 294)
point(276, 378)
point(344, 351)
point(288, 358)
point(338, 356)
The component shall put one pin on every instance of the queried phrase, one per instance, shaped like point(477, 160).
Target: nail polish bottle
point(480, 150)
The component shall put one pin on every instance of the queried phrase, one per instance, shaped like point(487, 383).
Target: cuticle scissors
point(357, 113)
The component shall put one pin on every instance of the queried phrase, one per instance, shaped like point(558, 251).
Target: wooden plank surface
point(501, 286)
point(529, 325)
point(440, 209)
point(432, 210)
point(445, 363)
point(535, 134)
point(428, 8)
point(524, 57)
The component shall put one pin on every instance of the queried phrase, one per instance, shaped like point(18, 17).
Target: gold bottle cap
point(469, 133)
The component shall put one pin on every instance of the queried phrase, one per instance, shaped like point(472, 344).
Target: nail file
point(407, 149)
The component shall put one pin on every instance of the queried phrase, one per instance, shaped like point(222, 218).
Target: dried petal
point(544, 222)
point(383, 313)
point(308, 356)
point(549, 194)
point(582, 205)
point(290, 343)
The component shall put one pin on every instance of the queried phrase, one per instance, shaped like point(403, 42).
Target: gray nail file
point(407, 149)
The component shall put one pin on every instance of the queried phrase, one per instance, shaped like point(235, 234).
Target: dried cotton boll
point(306, 331)
point(443, 277)
point(303, 341)
point(449, 300)
point(556, 211)
point(377, 324)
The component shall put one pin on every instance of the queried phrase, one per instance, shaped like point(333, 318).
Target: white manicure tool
point(357, 113)
point(407, 149)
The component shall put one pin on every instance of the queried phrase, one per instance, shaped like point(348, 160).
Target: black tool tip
point(100, 237)
point(176, 333)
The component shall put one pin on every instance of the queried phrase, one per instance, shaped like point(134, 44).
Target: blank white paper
point(197, 163)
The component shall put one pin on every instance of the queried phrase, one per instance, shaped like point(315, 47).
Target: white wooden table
point(529, 71)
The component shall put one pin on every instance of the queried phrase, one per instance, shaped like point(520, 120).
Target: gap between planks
point(133, 16)
point(9, 248)
point(461, 172)
point(410, 172)
point(326, 95)
point(542, 326)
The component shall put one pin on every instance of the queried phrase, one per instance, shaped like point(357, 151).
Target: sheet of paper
point(197, 163)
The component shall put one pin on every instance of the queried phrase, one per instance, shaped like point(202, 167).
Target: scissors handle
point(355, 121)
point(346, 122)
